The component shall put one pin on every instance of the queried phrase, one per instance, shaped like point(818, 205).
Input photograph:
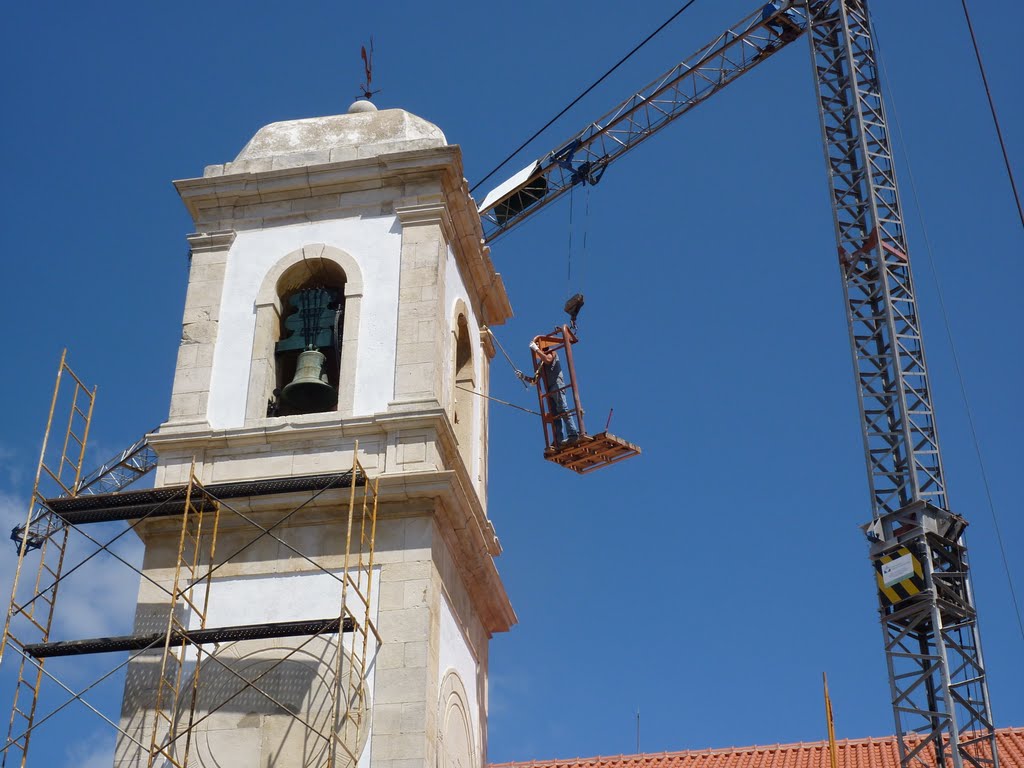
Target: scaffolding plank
point(192, 636)
point(165, 502)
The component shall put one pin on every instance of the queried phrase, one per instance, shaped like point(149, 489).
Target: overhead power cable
point(992, 108)
point(589, 88)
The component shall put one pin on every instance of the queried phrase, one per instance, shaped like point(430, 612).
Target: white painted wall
point(454, 290)
point(374, 243)
point(456, 654)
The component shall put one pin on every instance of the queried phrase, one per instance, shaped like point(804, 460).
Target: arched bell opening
point(465, 385)
point(307, 355)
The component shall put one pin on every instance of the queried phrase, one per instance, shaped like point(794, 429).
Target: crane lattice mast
point(932, 645)
point(933, 653)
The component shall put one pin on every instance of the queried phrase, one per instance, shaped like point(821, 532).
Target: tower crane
point(937, 677)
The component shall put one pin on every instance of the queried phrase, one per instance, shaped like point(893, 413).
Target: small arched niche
point(464, 387)
point(322, 284)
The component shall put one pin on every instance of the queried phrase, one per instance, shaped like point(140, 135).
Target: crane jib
point(584, 158)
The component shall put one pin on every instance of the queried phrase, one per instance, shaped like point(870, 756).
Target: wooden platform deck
point(593, 452)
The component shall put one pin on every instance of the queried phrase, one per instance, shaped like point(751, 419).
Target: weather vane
point(368, 67)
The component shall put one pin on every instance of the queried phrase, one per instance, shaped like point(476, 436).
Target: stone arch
point(456, 725)
point(232, 691)
point(464, 377)
point(268, 309)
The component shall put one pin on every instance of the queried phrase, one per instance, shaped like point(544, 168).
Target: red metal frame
point(560, 339)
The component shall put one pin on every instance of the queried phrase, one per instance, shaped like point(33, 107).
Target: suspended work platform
point(566, 441)
point(592, 452)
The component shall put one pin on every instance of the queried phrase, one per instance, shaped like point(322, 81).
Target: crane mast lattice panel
point(933, 651)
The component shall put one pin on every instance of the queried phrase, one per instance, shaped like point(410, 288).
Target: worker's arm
point(543, 354)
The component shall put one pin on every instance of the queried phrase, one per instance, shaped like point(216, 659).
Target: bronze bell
point(309, 391)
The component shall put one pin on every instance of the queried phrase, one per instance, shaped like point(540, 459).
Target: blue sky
point(708, 583)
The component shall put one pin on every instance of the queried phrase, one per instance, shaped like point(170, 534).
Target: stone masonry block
point(199, 315)
point(408, 570)
point(415, 654)
point(204, 293)
point(415, 378)
point(406, 746)
point(203, 332)
point(204, 355)
point(400, 686)
point(416, 352)
point(387, 718)
point(187, 354)
point(407, 625)
point(391, 656)
point(415, 593)
point(413, 716)
point(212, 273)
point(391, 596)
point(189, 380)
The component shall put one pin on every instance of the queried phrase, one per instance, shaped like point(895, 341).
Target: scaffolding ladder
point(30, 618)
point(177, 706)
point(183, 613)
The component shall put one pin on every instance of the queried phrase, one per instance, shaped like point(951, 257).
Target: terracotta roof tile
point(872, 752)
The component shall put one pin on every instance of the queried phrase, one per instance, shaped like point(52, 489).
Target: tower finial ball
point(362, 105)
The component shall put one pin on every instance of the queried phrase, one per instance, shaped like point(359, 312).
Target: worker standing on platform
point(564, 423)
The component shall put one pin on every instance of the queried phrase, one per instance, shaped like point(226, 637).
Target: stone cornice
point(403, 495)
point(479, 572)
point(462, 515)
point(207, 242)
point(259, 186)
point(494, 307)
point(436, 214)
point(428, 213)
point(460, 220)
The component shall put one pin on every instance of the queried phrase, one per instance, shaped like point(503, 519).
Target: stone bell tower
point(338, 294)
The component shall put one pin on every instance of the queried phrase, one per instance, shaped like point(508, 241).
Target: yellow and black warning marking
point(899, 575)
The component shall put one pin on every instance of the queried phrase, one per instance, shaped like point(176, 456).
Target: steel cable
point(952, 346)
point(995, 121)
point(589, 88)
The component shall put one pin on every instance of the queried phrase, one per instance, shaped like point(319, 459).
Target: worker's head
point(542, 347)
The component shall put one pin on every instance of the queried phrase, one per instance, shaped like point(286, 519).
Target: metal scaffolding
point(182, 699)
point(30, 619)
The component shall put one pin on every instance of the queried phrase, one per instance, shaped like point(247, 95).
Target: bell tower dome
point(338, 297)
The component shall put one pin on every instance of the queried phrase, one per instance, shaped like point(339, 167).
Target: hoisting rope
point(528, 381)
point(583, 251)
point(568, 270)
point(497, 400)
point(589, 88)
point(995, 122)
